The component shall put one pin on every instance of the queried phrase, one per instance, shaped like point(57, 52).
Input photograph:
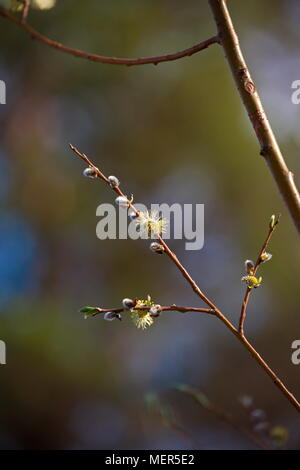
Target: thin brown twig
point(254, 271)
point(216, 312)
point(105, 59)
point(269, 147)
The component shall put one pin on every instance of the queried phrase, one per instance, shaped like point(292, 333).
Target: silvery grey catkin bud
point(157, 248)
point(155, 310)
point(128, 304)
point(89, 172)
point(109, 316)
point(113, 181)
point(249, 265)
point(122, 201)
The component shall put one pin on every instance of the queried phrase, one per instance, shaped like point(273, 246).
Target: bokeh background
point(172, 133)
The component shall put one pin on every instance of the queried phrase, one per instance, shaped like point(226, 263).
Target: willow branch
point(215, 311)
point(272, 227)
point(167, 419)
point(269, 148)
point(222, 415)
point(162, 308)
point(104, 59)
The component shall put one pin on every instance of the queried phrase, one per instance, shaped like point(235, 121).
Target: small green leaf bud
point(88, 311)
point(272, 221)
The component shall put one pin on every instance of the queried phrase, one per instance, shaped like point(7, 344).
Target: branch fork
point(213, 309)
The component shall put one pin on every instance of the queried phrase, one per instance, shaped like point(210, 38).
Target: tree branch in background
point(269, 148)
point(221, 414)
point(166, 416)
point(104, 59)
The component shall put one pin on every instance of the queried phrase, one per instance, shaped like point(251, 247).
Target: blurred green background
point(172, 133)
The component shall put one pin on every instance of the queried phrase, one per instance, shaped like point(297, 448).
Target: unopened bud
point(122, 201)
point(249, 266)
point(109, 316)
point(272, 221)
point(89, 172)
point(157, 248)
point(128, 304)
point(265, 257)
point(113, 181)
point(155, 310)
